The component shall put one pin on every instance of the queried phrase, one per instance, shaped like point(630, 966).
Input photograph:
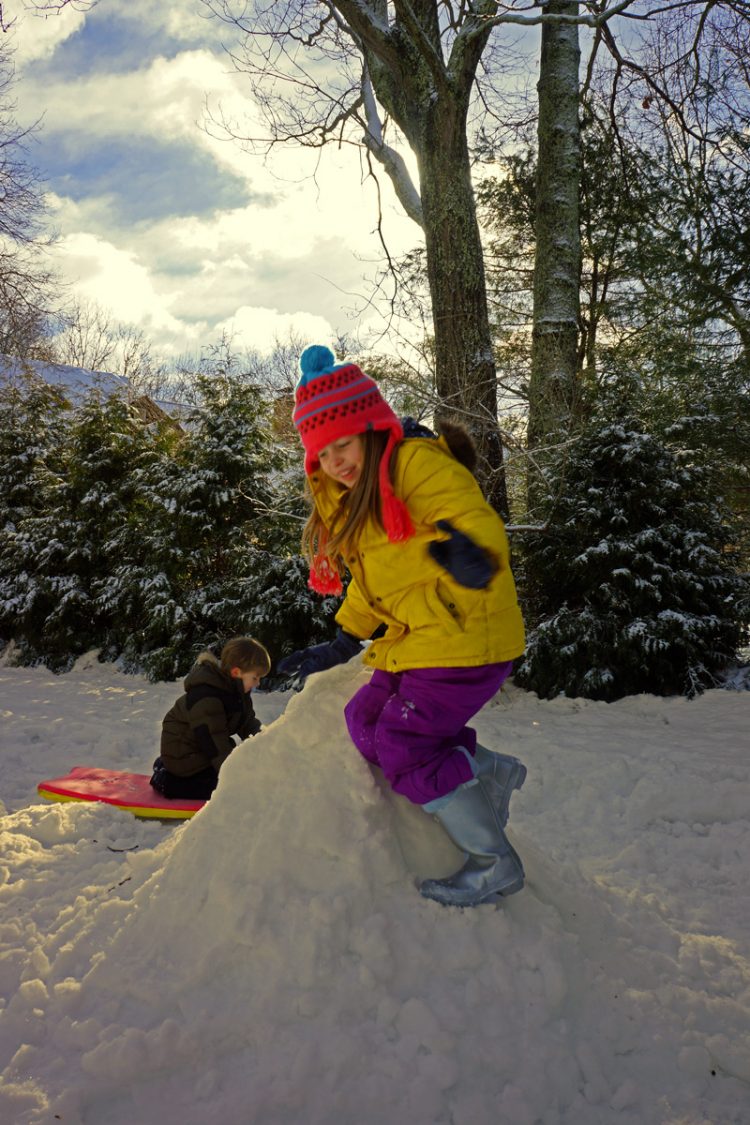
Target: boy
point(196, 737)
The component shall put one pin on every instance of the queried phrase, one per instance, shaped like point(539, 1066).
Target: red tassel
point(324, 578)
point(396, 519)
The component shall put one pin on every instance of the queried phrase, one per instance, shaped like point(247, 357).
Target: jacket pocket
point(429, 608)
point(442, 607)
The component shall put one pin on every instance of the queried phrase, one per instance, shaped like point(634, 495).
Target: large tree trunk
point(464, 358)
point(429, 101)
point(553, 390)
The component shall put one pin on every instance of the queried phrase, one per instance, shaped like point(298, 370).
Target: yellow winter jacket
point(431, 621)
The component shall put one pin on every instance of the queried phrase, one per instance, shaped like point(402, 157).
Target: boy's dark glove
point(317, 658)
point(250, 727)
point(464, 560)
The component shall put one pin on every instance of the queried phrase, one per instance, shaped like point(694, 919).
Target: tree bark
point(464, 358)
point(554, 381)
point(428, 99)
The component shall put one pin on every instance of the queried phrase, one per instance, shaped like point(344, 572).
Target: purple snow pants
point(412, 724)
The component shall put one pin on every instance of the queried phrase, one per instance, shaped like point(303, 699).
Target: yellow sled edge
point(136, 810)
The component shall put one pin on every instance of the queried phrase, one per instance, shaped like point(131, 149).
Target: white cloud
point(260, 328)
point(223, 273)
point(164, 99)
point(313, 249)
point(167, 101)
point(181, 21)
point(114, 279)
point(296, 254)
point(37, 35)
point(184, 281)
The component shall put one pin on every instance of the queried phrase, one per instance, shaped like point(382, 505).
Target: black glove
point(464, 560)
point(413, 428)
point(305, 661)
point(249, 728)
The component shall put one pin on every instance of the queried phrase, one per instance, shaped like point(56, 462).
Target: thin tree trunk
point(553, 391)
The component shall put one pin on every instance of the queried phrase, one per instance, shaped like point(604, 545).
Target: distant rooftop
point(77, 382)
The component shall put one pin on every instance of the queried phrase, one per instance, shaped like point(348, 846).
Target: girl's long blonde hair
point(356, 507)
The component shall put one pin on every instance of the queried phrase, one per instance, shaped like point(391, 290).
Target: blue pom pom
point(316, 358)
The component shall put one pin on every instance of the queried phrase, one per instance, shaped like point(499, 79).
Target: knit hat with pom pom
point(333, 401)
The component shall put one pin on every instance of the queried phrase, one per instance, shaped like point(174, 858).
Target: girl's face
point(343, 459)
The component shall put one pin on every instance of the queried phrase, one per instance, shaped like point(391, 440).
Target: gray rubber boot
point(502, 774)
point(492, 868)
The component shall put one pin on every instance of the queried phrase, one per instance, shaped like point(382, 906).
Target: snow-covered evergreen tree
point(59, 554)
point(218, 550)
point(281, 607)
point(151, 542)
point(125, 583)
point(31, 441)
point(632, 588)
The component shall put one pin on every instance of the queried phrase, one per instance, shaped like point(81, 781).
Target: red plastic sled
point(129, 791)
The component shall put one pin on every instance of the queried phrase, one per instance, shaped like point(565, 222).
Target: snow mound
point(270, 961)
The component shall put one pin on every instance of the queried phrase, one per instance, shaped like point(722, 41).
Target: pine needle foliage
point(633, 587)
point(149, 542)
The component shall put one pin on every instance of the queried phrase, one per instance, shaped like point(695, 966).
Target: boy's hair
point(358, 504)
point(246, 654)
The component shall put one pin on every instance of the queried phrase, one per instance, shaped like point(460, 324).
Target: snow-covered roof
point(76, 382)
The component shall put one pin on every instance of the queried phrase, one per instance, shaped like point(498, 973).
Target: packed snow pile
point(271, 962)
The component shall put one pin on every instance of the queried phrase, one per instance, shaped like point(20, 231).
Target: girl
point(429, 561)
point(196, 734)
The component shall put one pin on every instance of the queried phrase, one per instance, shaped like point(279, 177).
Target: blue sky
point(109, 39)
point(167, 227)
point(143, 179)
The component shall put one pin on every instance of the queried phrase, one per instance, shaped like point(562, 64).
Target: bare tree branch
point(388, 157)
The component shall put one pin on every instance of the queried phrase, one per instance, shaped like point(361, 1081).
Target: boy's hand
point(317, 658)
point(464, 560)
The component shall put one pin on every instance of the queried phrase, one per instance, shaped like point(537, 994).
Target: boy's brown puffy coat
point(197, 731)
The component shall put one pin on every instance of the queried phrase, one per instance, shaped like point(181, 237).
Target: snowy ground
point(270, 962)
